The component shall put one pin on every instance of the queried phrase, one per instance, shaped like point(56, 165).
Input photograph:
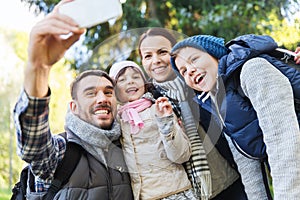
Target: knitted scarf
point(93, 139)
point(197, 167)
point(130, 113)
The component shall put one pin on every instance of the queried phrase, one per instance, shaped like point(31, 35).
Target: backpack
point(286, 57)
point(61, 176)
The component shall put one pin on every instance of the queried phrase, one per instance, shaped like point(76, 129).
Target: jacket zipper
point(109, 184)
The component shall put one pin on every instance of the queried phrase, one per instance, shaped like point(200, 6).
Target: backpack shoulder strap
point(65, 168)
point(19, 190)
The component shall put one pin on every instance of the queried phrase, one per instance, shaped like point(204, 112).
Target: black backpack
point(61, 176)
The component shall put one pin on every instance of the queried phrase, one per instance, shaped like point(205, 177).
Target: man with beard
point(90, 121)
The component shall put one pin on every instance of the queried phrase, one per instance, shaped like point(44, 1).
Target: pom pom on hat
point(118, 66)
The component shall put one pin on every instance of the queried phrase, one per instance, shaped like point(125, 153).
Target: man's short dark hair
point(92, 72)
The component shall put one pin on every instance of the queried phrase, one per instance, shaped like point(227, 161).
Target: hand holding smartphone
point(88, 13)
point(291, 53)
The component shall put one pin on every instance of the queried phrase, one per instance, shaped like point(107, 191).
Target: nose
point(156, 58)
point(191, 70)
point(130, 80)
point(101, 97)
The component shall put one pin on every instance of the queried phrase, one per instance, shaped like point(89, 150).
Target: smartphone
point(88, 13)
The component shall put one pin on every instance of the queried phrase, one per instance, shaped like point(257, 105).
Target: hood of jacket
point(242, 49)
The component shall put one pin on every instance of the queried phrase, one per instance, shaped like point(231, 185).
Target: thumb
point(72, 39)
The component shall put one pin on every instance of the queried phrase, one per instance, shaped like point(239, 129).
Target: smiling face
point(155, 54)
point(96, 102)
point(199, 69)
point(130, 85)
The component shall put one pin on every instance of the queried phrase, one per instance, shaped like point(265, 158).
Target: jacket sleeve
point(175, 141)
point(271, 95)
point(35, 143)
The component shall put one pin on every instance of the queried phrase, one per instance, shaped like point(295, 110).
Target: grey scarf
point(197, 167)
point(93, 139)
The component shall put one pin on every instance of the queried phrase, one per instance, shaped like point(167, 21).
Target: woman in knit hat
point(154, 145)
point(252, 101)
point(211, 175)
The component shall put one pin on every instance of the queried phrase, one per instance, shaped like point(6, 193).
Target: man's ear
point(73, 107)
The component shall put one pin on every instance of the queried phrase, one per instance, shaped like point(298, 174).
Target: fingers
point(57, 23)
point(163, 106)
point(72, 39)
point(297, 57)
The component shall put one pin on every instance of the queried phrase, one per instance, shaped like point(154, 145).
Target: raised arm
point(35, 142)
point(46, 47)
point(176, 142)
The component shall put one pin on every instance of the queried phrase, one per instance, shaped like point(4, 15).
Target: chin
point(161, 79)
point(105, 126)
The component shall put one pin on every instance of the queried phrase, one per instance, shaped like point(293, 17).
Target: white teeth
point(101, 112)
point(159, 69)
point(131, 90)
point(200, 77)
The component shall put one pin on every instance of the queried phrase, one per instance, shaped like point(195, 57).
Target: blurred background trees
point(13, 56)
point(223, 18)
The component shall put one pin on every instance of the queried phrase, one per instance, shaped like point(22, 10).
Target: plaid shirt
point(35, 143)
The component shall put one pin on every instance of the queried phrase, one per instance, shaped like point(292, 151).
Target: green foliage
point(286, 33)
point(13, 58)
point(10, 80)
point(60, 80)
point(5, 194)
point(223, 18)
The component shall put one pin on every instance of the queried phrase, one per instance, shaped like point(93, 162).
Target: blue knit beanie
point(213, 45)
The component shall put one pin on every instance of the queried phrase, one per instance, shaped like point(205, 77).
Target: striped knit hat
point(213, 45)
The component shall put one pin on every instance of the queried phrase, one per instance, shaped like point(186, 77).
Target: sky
point(14, 15)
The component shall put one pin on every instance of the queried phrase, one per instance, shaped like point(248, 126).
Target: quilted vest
point(92, 180)
point(241, 122)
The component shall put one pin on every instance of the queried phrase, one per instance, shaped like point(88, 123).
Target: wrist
point(36, 80)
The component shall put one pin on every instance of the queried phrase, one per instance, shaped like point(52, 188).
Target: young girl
point(241, 85)
point(154, 144)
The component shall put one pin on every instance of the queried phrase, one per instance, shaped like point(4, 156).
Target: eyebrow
point(188, 59)
point(156, 50)
point(108, 87)
point(163, 49)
